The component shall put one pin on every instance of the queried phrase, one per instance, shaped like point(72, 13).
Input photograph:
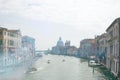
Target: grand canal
point(70, 69)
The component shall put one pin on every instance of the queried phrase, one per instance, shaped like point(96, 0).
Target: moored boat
point(92, 63)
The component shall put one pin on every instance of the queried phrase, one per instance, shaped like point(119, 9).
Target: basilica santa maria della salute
point(60, 42)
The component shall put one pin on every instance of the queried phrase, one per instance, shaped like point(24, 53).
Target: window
point(111, 49)
point(111, 33)
point(117, 30)
point(117, 49)
point(11, 42)
point(12, 34)
point(116, 68)
point(4, 33)
point(0, 32)
point(1, 42)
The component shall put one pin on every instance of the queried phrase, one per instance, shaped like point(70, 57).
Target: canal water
point(63, 68)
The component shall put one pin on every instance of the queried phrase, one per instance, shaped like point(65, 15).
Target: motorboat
point(63, 60)
point(93, 63)
point(31, 70)
point(48, 61)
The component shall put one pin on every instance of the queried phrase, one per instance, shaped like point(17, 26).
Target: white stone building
point(113, 47)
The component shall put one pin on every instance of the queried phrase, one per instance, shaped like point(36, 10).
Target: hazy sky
point(46, 20)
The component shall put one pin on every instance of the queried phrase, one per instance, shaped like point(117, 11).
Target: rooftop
point(116, 20)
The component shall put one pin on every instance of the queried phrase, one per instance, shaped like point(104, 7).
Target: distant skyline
point(47, 20)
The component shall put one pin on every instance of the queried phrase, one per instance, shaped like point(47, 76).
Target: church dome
point(60, 42)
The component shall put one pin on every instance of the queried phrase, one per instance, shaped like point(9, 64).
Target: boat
point(63, 60)
point(31, 70)
point(48, 61)
point(92, 63)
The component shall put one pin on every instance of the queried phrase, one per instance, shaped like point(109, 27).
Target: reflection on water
point(71, 69)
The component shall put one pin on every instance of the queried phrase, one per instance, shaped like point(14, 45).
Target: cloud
point(71, 12)
point(83, 13)
point(84, 17)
